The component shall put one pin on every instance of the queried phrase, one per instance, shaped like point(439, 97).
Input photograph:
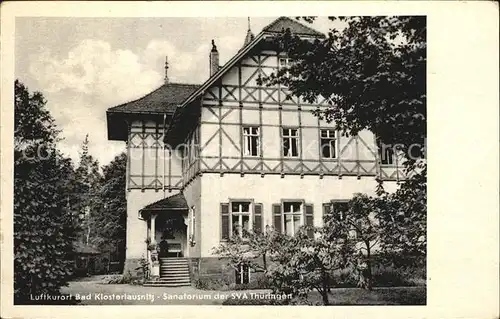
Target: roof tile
point(177, 201)
point(284, 23)
point(162, 100)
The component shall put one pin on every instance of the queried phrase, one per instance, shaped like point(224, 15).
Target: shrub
point(211, 283)
point(126, 278)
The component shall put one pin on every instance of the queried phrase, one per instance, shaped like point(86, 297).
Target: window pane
point(236, 225)
point(296, 223)
point(253, 146)
point(286, 147)
point(289, 229)
point(296, 207)
point(324, 133)
point(325, 148)
point(245, 207)
point(332, 149)
point(246, 274)
point(287, 207)
point(235, 207)
point(295, 151)
point(246, 222)
point(246, 130)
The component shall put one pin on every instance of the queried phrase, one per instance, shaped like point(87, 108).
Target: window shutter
point(257, 218)
point(277, 217)
point(224, 210)
point(309, 218)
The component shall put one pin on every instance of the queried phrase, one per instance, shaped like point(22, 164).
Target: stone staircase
point(174, 272)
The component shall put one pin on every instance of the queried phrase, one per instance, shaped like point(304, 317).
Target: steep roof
point(175, 202)
point(162, 100)
point(283, 23)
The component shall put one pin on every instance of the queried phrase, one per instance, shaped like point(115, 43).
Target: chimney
point(214, 59)
point(166, 70)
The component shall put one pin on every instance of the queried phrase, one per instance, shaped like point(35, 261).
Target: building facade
point(206, 161)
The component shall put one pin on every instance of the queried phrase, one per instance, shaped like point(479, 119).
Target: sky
point(84, 66)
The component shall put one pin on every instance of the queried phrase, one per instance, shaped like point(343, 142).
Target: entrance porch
point(167, 240)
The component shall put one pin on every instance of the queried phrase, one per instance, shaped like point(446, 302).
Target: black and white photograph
point(218, 160)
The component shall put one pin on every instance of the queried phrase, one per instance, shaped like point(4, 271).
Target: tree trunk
point(368, 268)
point(325, 288)
point(264, 261)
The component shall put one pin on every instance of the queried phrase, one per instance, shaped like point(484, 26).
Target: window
point(292, 212)
point(290, 142)
point(328, 144)
point(386, 154)
point(284, 62)
point(240, 217)
point(242, 274)
point(289, 216)
point(251, 141)
point(337, 209)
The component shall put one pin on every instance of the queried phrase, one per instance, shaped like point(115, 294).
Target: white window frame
point(239, 281)
point(240, 213)
point(290, 138)
point(247, 136)
point(331, 136)
point(292, 214)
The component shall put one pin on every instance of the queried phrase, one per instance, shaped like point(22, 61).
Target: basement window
point(242, 274)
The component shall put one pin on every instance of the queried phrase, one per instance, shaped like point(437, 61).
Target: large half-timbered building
point(206, 161)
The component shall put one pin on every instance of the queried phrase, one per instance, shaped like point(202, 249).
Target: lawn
point(93, 292)
point(378, 296)
point(355, 296)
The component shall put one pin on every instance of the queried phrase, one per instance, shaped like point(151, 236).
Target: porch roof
point(174, 202)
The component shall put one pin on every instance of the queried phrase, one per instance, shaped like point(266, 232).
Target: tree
point(372, 73)
point(302, 263)
point(43, 221)
point(87, 187)
point(110, 223)
point(403, 218)
point(249, 249)
point(358, 222)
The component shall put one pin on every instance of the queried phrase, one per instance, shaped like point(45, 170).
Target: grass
point(357, 296)
point(378, 296)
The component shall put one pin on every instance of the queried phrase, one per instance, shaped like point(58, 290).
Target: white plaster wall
point(192, 193)
point(270, 190)
point(137, 228)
